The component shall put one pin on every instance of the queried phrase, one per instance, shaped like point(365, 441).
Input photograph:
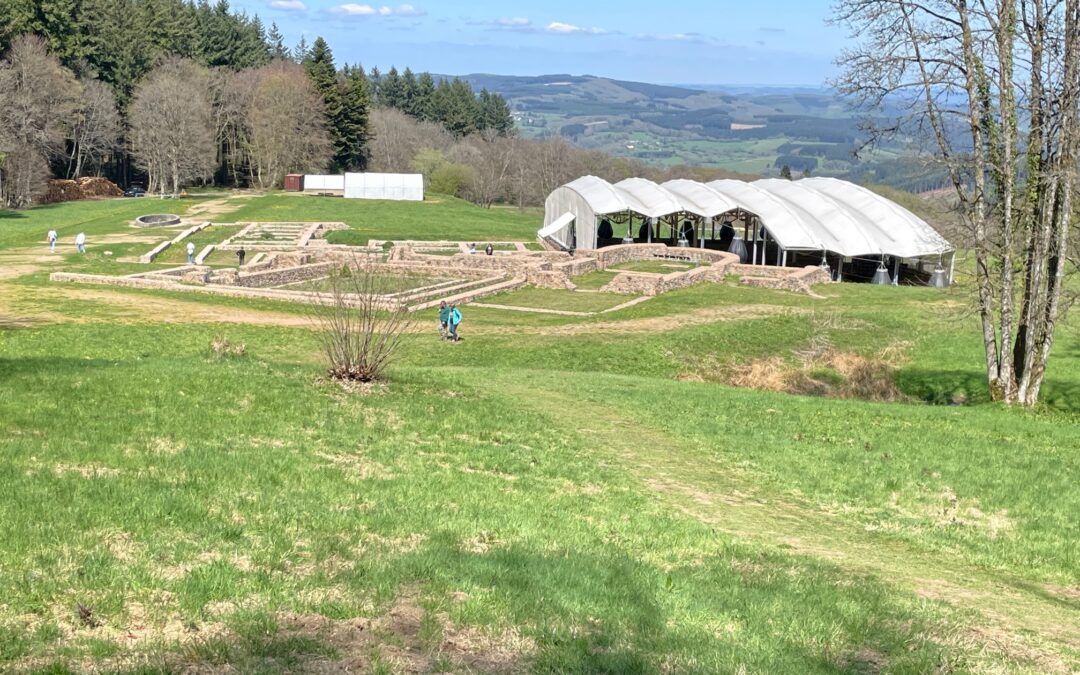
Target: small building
point(294, 182)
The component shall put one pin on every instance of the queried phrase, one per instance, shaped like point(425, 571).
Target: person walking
point(190, 252)
point(80, 242)
point(444, 320)
point(455, 320)
point(240, 255)
point(489, 249)
point(52, 241)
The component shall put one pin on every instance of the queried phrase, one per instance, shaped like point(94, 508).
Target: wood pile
point(91, 187)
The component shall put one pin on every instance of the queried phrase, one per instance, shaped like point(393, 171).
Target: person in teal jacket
point(444, 320)
point(455, 319)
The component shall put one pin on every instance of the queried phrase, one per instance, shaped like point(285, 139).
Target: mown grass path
point(1023, 619)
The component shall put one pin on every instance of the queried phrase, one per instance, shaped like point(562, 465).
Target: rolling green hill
point(753, 131)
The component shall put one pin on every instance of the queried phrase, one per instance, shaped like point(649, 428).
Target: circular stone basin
point(157, 220)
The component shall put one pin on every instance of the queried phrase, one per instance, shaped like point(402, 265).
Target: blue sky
point(777, 42)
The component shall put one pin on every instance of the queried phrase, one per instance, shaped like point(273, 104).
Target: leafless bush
point(360, 328)
point(221, 347)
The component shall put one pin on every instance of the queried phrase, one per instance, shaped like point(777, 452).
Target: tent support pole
point(952, 267)
point(783, 258)
point(896, 272)
point(840, 269)
point(753, 257)
point(764, 247)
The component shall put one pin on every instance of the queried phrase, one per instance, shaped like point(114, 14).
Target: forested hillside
point(175, 93)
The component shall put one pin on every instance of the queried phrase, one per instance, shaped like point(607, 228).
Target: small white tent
point(392, 186)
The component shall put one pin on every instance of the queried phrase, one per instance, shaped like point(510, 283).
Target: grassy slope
point(438, 217)
point(565, 488)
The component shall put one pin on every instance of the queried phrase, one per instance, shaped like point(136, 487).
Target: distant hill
point(752, 130)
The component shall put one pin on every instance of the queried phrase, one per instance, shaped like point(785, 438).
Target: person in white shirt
point(52, 241)
point(80, 242)
point(190, 252)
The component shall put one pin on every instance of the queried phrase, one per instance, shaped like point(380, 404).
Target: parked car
point(135, 191)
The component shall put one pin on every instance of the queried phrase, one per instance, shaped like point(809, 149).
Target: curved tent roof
point(810, 214)
point(897, 230)
point(700, 199)
point(601, 195)
point(833, 224)
point(791, 227)
point(646, 198)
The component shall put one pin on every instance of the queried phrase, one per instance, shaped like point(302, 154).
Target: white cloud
point(355, 9)
point(514, 22)
point(288, 5)
point(568, 28)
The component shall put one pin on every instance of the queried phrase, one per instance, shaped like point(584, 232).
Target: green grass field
point(552, 494)
point(437, 217)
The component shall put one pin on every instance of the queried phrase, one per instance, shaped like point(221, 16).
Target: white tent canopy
point(648, 199)
point(813, 214)
point(700, 199)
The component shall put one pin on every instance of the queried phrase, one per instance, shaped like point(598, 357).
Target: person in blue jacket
point(455, 319)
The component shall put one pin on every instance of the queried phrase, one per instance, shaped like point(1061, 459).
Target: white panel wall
point(316, 183)
point(392, 186)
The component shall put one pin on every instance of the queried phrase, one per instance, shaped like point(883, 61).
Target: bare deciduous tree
point(286, 126)
point(39, 98)
point(1005, 74)
point(172, 126)
point(491, 158)
point(95, 133)
point(397, 138)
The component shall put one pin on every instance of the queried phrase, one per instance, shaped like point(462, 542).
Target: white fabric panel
point(321, 182)
point(559, 230)
point(790, 226)
point(646, 198)
point(834, 226)
point(899, 232)
point(700, 199)
point(391, 186)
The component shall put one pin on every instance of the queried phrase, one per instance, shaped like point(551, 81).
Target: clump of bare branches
point(221, 347)
point(360, 326)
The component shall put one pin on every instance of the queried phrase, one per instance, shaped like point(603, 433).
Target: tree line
point(179, 92)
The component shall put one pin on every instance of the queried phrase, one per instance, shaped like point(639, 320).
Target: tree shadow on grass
point(8, 214)
point(966, 387)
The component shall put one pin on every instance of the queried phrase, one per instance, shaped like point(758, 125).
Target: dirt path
point(215, 208)
point(1021, 620)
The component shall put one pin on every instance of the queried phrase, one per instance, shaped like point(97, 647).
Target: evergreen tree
point(353, 127)
point(320, 68)
point(424, 99)
point(301, 52)
point(408, 92)
point(494, 113)
point(276, 41)
point(375, 87)
point(390, 92)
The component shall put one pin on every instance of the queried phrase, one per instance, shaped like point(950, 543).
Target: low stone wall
point(211, 288)
point(286, 275)
point(646, 283)
point(798, 280)
point(549, 279)
point(623, 253)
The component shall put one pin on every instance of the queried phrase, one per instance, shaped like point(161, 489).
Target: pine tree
point(423, 101)
point(354, 120)
point(494, 113)
point(390, 93)
point(276, 40)
point(375, 80)
point(301, 52)
point(408, 92)
point(320, 68)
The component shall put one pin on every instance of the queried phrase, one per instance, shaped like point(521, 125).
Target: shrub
point(361, 326)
